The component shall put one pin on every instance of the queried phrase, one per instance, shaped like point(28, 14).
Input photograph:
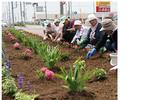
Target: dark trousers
point(111, 46)
point(68, 36)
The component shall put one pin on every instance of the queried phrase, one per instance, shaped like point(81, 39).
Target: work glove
point(91, 53)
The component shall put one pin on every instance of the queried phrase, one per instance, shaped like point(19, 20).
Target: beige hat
point(77, 22)
point(91, 17)
point(108, 24)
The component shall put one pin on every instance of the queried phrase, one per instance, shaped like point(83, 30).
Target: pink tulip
point(16, 45)
point(49, 75)
point(27, 52)
point(43, 69)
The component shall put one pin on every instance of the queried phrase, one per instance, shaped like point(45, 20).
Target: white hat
point(108, 24)
point(77, 22)
point(91, 17)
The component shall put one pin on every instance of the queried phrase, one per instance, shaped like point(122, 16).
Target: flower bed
point(53, 89)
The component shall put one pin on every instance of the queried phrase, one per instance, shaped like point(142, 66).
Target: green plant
point(51, 56)
point(4, 72)
point(40, 74)
point(9, 87)
point(100, 73)
point(22, 96)
point(25, 41)
point(41, 48)
point(33, 43)
point(75, 81)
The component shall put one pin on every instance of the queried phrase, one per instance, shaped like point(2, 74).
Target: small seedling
point(40, 74)
point(100, 73)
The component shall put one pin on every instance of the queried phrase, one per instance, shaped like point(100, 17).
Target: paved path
point(35, 29)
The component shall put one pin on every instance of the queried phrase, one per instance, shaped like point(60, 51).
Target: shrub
point(75, 81)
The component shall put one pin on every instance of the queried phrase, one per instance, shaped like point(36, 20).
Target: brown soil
point(53, 90)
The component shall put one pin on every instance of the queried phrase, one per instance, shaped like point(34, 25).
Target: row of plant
point(49, 54)
point(50, 57)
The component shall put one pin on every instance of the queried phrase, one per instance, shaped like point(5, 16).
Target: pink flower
point(43, 69)
point(27, 50)
point(49, 75)
point(27, 53)
point(16, 46)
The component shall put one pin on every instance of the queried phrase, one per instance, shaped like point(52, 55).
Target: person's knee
point(114, 46)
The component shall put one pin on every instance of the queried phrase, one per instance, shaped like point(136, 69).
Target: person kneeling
point(109, 40)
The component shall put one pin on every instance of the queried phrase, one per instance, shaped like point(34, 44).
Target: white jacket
point(80, 34)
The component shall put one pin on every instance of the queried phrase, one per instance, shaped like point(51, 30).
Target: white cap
point(91, 17)
point(77, 22)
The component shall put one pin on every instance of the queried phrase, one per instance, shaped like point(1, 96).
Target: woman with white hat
point(109, 40)
point(81, 32)
point(94, 33)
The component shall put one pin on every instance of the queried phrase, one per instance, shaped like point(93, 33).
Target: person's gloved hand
point(91, 53)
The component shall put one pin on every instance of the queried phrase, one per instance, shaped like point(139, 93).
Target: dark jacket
point(102, 41)
point(68, 35)
point(98, 35)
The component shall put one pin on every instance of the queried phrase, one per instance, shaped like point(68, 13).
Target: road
point(35, 29)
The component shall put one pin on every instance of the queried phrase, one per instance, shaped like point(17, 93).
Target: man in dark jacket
point(109, 39)
point(94, 33)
